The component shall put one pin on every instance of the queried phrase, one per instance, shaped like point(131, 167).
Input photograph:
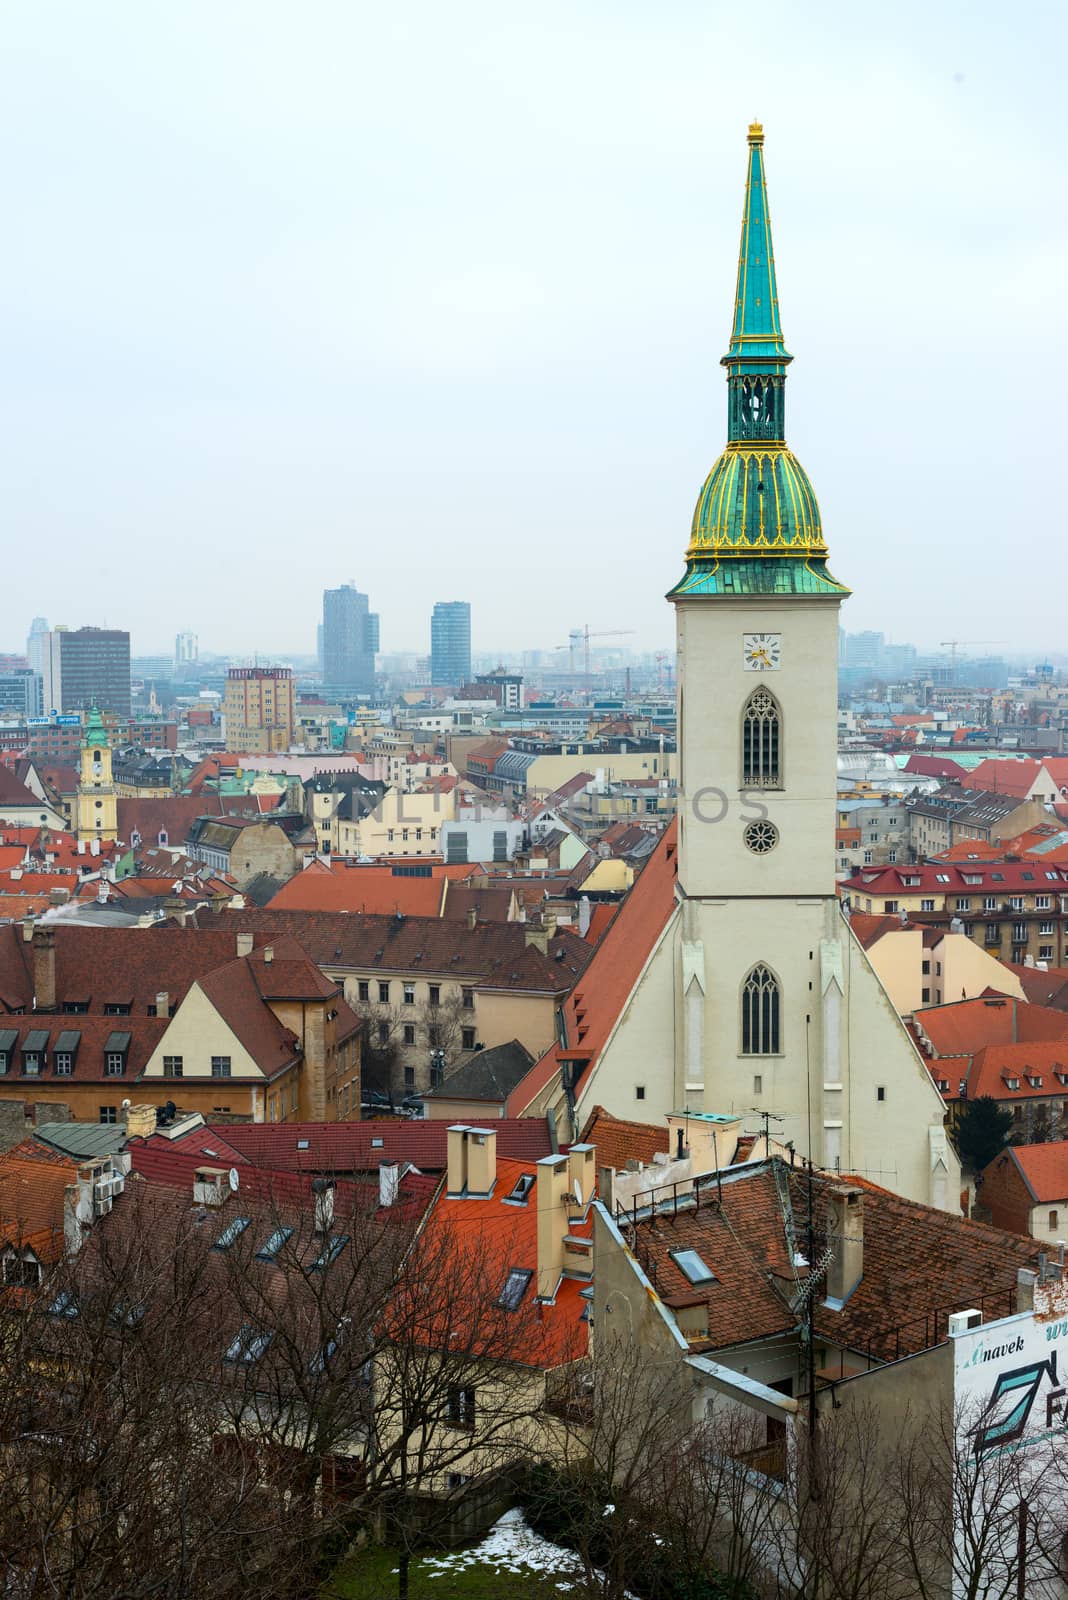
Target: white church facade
point(749, 994)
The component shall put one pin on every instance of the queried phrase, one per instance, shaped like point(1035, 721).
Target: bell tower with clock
point(761, 941)
point(757, 627)
point(756, 997)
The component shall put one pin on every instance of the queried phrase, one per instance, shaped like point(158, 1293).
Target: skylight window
point(692, 1267)
point(274, 1244)
point(249, 1345)
point(377, 1144)
point(302, 1144)
point(515, 1286)
point(522, 1189)
point(233, 1230)
point(206, 1150)
point(330, 1252)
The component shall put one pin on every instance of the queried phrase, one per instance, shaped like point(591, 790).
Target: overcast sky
point(433, 296)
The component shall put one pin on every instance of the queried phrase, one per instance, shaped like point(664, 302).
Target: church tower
point(97, 807)
point(775, 1006)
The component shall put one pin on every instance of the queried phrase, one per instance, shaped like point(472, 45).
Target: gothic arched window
point(761, 741)
point(760, 1013)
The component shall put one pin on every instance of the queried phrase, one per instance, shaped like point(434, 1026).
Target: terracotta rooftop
point(97, 967)
point(619, 1142)
point(1044, 1168)
point(343, 1147)
point(492, 955)
point(33, 1190)
point(965, 1026)
point(544, 1334)
point(919, 1264)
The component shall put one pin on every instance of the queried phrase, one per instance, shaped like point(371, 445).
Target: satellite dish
point(235, 1180)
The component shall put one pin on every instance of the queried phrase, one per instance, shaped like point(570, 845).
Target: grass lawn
point(511, 1561)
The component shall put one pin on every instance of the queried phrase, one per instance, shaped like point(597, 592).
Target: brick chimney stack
point(44, 969)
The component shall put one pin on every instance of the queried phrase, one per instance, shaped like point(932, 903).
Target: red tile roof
point(1044, 1168)
point(942, 878)
point(365, 889)
point(619, 1142)
point(363, 1146)
point(994, 1069)
point(1004, 776)
point(33, 1192)
point(919, 1264)
point(492, 955)
point(116, 966)
point(539, 1334)
point(965, 1026)
point(88, 1066)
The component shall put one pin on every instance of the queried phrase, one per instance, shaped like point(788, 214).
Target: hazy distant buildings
point(450, 643)
point(258, 710)
point(20, 688)
point(186, 649)
point(350, 640)
point(83, 667)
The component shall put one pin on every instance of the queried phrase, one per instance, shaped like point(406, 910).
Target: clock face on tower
point(762, 652)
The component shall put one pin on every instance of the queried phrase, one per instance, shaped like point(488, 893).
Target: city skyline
point(188, 310)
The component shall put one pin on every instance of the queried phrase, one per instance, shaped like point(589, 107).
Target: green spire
point(756, 338)
point(756, 528)
point(757, 359)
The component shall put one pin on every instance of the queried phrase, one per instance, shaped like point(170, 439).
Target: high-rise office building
point(350, 640)
point(450, 643)
point(186, 648)
point(258, 709)
point(37, 643)
point(84, 667)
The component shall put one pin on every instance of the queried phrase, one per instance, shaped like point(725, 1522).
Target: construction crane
point(953, 645)
point(583, 636)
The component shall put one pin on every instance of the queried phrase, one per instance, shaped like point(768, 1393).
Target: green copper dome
point(756, 498)
point(757, 503)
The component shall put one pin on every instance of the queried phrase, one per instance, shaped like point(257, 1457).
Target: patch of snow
point(512, 1546)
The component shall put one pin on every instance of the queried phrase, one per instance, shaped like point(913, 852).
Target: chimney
point(211, 1186)
point(1025, 1289)
point(27, 929)
point(481, 1161)
point(388, 1183)
point(94, 847)
point(140, 1122)
point(44, 969)
point(552, 1222)
point(456, 1140)
point(323, 1190)
point(268, 954)
point(537, 934)
point(581, 1175)
point(472, 916)
point(163, 1004)
point(245, 942)
point(847, 1242)
point(606, 1189)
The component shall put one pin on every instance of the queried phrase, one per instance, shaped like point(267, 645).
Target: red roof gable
point(593, 1007)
